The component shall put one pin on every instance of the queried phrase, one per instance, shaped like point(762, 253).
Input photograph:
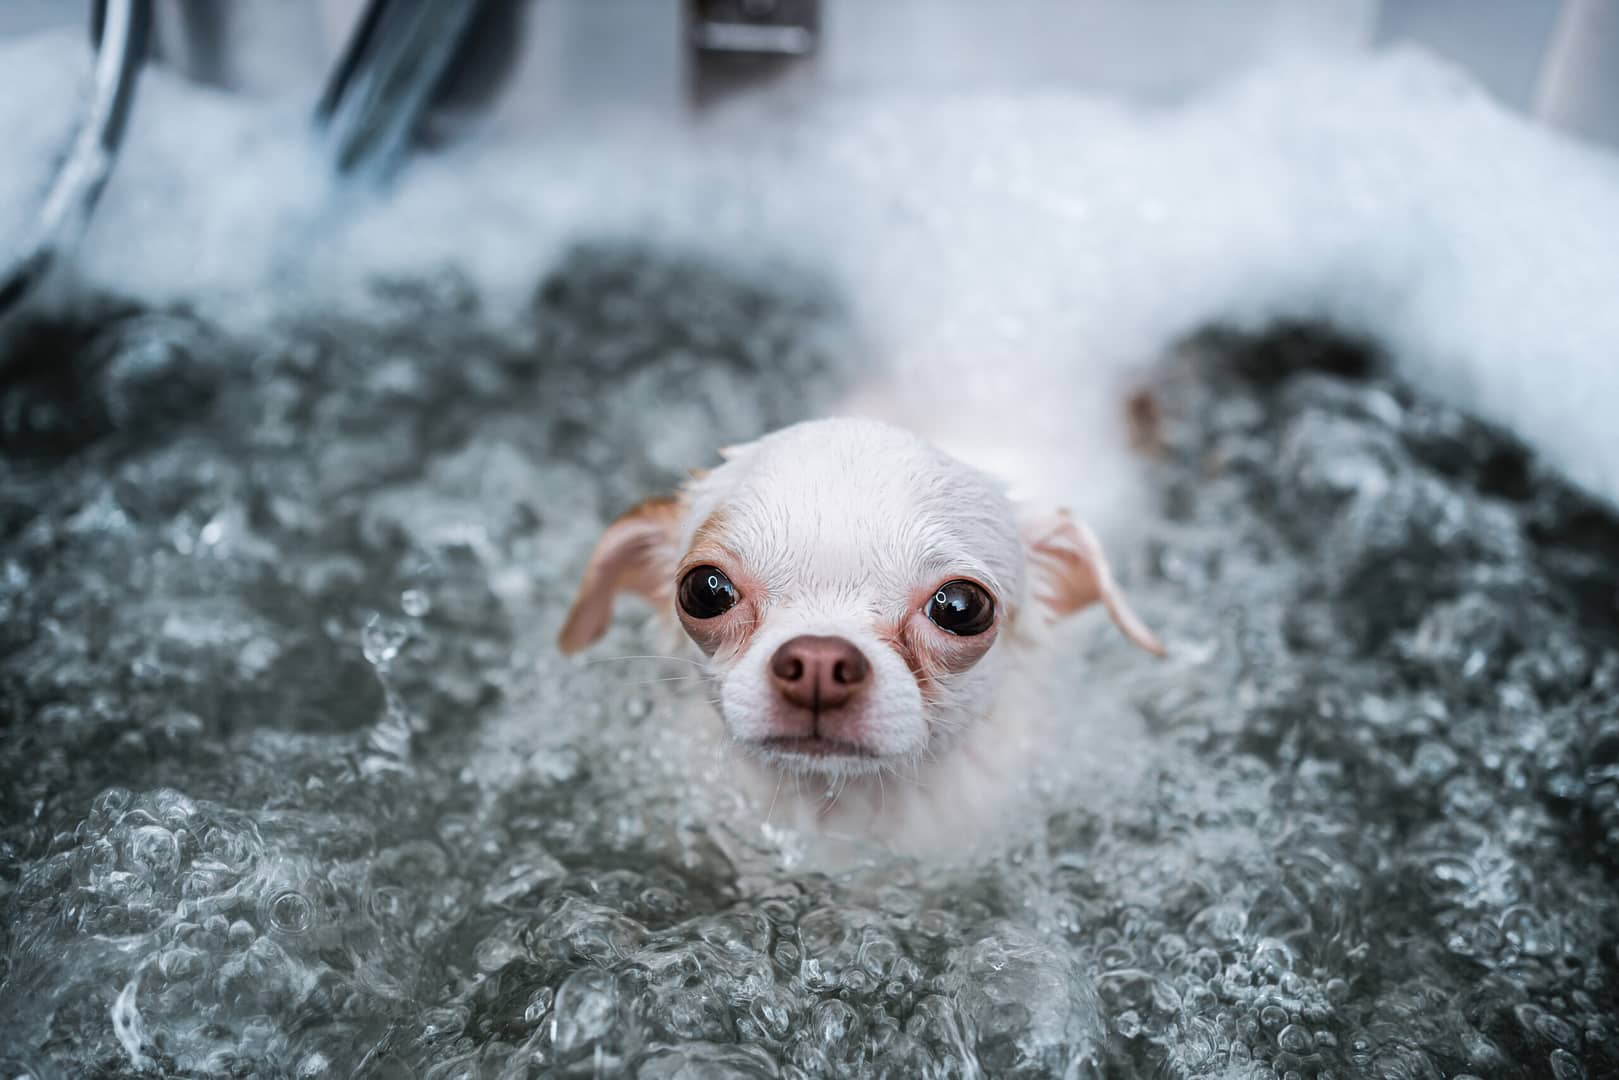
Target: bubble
point(381, 641)
point(520, 876)
point(495, 952)
point(835, 1030)
point(180, 962)
point(772, 1010)
point(443, 1022)
point(539, 1005)
point(1556, 1030)
point(586, 1011)
point(234, 850)
point(290, 912)
point(415, 603)
point(111, 803)
point(699, 1060)
point(175, 810)
point(1526, 929)
point(1565, 1066)
point(390, 904)
point(152, 850)
point(787, 957)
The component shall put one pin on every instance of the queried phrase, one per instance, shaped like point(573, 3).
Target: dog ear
point(636, 553)
point(1071, 573)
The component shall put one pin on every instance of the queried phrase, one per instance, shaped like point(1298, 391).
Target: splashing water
point(297, 785)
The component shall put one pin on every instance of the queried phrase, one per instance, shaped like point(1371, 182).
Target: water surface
point(292, 783)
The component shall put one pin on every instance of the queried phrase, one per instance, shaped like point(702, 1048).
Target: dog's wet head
point(852, 588)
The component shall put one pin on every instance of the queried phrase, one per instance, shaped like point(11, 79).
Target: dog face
point(853, 589)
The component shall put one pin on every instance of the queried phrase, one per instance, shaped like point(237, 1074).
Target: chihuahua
point(863, 605)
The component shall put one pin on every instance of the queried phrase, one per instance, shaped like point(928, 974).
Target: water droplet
point(381, 640)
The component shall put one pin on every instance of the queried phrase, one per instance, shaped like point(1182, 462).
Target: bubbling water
point(298, 787)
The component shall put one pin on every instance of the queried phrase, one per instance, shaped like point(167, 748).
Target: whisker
point(916, 774)
point(651, 656)
point(835, 791)
point(659, 679)
point(779, 778)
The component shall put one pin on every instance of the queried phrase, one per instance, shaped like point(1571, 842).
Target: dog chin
point(830, 758)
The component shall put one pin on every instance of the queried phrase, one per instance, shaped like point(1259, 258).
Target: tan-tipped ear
point(636, 553)
point(1071, 573)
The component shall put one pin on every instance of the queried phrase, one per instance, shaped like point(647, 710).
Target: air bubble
point(290, 912)
point(153, 850)
point(495, 952)
point(1565, 1066)
point(772, 1010)
point(539, 1005)
point(381, 641)
point(586, 1012)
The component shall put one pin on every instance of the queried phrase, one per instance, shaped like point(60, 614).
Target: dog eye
point(961, 607)
point(706, 593)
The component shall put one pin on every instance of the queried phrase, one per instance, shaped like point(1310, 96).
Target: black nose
point(819, 672)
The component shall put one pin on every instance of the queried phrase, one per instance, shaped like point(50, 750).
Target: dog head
point(852, 588)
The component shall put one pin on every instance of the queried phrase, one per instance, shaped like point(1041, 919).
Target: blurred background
point(520, 62)
point(510, 65)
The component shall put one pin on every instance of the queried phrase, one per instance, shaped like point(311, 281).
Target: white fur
point(845, 529)
point(845, 522)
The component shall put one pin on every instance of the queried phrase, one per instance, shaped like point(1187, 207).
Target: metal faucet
point(119, 30)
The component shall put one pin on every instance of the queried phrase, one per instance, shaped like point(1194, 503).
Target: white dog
point(862, 603)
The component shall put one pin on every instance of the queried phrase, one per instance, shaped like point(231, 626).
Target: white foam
point(1029, 248)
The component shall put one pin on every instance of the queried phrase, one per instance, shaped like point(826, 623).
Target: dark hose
point(399, 54)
